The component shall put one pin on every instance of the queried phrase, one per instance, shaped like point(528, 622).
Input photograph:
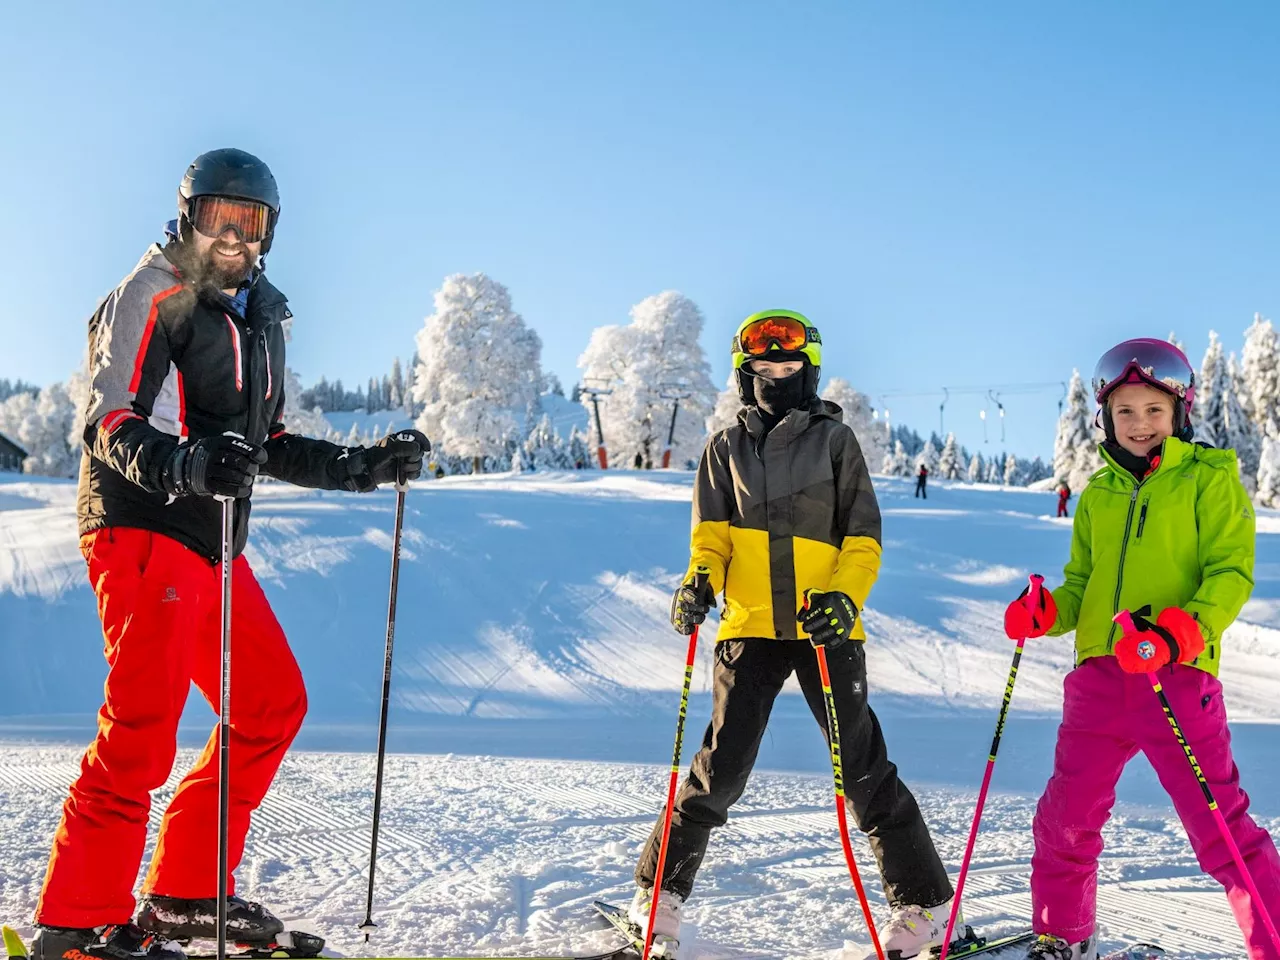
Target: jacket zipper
point(1124, 548)
point(236, 352)
point(1142, 518)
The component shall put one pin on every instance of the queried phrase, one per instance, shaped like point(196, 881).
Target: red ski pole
point(1035, 585)
point(1125, 619)
point(700, 581)
point(837, 770)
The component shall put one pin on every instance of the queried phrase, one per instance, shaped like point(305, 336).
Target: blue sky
point(958, 194)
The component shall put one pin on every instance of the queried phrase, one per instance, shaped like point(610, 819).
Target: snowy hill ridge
point(546, 596)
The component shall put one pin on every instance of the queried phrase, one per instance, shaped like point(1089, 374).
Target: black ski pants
point(749, 674)
point(920, 488)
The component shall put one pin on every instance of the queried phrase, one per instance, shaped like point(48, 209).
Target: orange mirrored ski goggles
point(788, 333)
point(212, 216)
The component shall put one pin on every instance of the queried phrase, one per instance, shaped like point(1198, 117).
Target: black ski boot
point(181, 919)
point(118, 941)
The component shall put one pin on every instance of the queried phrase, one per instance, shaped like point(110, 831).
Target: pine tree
point(1212, 391)
point(1261, 368)
point(727, 406)
point(1012, 475)
point(927, 457)
point(949, 459)
point(898, 463)
point(1241, 433)
point(1269, 473)
point(977, 469)
point(1075, 451)
point(395, 386)
point(993, 471)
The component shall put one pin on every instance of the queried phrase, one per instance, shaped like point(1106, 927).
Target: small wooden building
point(11, 455)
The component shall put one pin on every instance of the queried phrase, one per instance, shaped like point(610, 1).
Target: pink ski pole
point(1034, 587)
point(1125, 619)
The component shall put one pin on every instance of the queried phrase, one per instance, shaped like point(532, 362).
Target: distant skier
point(1166, 531)
point(186, 404)
point(818, 529)
point(1064, 494)
point(922, 478)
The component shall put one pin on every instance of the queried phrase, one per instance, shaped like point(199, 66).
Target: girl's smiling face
point(1142, 415)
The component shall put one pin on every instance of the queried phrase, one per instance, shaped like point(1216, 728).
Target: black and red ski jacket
point(168, 365)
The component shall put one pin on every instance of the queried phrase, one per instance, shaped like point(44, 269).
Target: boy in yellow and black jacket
point(784, 510)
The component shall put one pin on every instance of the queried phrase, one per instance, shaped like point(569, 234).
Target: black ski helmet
point(228, 172)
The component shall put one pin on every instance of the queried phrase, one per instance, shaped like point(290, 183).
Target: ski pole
point(1125, 619)
point(700, 581)
point(1034, 586)
point(402, 485)
point(837, 770)
point(224, 724)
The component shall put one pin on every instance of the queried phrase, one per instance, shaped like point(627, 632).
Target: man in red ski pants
point(186, 406)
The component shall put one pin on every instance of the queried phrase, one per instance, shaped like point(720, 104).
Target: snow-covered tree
point(1212, 391)
point(1173, 338)
point(728, 404)
point(582, 455)
point(658, 350)
point(543, 448)
point(298, 420)
point(481, 369)
point(949, 459)
point(927, 457)
point(42, 425)
point(994, 474)
point(411, 407)
point(1261, 369)
point(1269, 473)
point(898, 463)
point(1075, 450)
point(1240, 433)
point(977, 469)
point(872, 436)
point(1012, 475)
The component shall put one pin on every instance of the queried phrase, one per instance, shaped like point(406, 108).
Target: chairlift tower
point(595, 388)
point(674, 392)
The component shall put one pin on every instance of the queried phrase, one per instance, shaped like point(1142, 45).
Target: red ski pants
point(160, 605)
point(1107, 717)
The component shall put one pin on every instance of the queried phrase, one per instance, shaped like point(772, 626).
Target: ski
point(14, 948)
point(1135, 951)
point(974, 946)
point(290, 945)
point(662, 946)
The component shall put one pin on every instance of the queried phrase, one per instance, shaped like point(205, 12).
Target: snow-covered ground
point(534, 697)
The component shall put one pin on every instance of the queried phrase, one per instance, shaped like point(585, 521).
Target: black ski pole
point(402, 485)
point(224, 723)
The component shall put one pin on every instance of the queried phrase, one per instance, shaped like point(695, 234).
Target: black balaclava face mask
point(776, 397)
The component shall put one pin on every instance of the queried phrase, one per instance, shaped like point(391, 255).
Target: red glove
point(1145, 647)
point(1020, 622)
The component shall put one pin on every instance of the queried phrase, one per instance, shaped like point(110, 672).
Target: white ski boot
point(912, 930)
point(666, 923)
point(1051, 948)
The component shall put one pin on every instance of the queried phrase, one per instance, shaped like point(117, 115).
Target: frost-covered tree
point(1269, 473)
point(481, 370)
point(1212, 390)
point(1261, 368)
point(411, 407)
point(977, 469)
point(872, 436)
point(994, 474)
point(1075, 448)
point(1173, 338)
point(543, 449)
point(949, 459)
point(42, 425)
point(898, 463)
point(659, 349)
point(727, 406)
point(581, 453)
point(1012, 475)
point(927, 457)
point(1241, 433)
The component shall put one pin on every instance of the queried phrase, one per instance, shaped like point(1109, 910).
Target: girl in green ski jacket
point(1166, 530)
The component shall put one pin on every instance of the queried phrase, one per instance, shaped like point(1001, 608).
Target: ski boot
point(666, 923)
point(117, 941)
point(182, 919)
point(1049, 947)
point(913, 930)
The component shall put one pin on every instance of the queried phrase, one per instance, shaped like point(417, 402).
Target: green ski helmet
point(776, 335)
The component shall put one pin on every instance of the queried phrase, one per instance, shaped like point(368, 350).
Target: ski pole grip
point(1125, 619)
point(1035, 583)
point(402, 482)
point(223, 498)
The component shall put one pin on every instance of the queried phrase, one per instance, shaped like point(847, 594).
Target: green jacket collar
point(1172, 452)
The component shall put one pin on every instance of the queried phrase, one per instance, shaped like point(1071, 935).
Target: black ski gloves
point(392, 457)
point(691, 603)
point(828, 618)
point(218, 466)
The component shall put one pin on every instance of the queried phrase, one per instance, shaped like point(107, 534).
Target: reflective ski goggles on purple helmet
point(1155, 362)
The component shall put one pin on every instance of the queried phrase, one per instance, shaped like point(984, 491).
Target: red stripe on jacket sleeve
point(136, 381)
point(116, 417)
